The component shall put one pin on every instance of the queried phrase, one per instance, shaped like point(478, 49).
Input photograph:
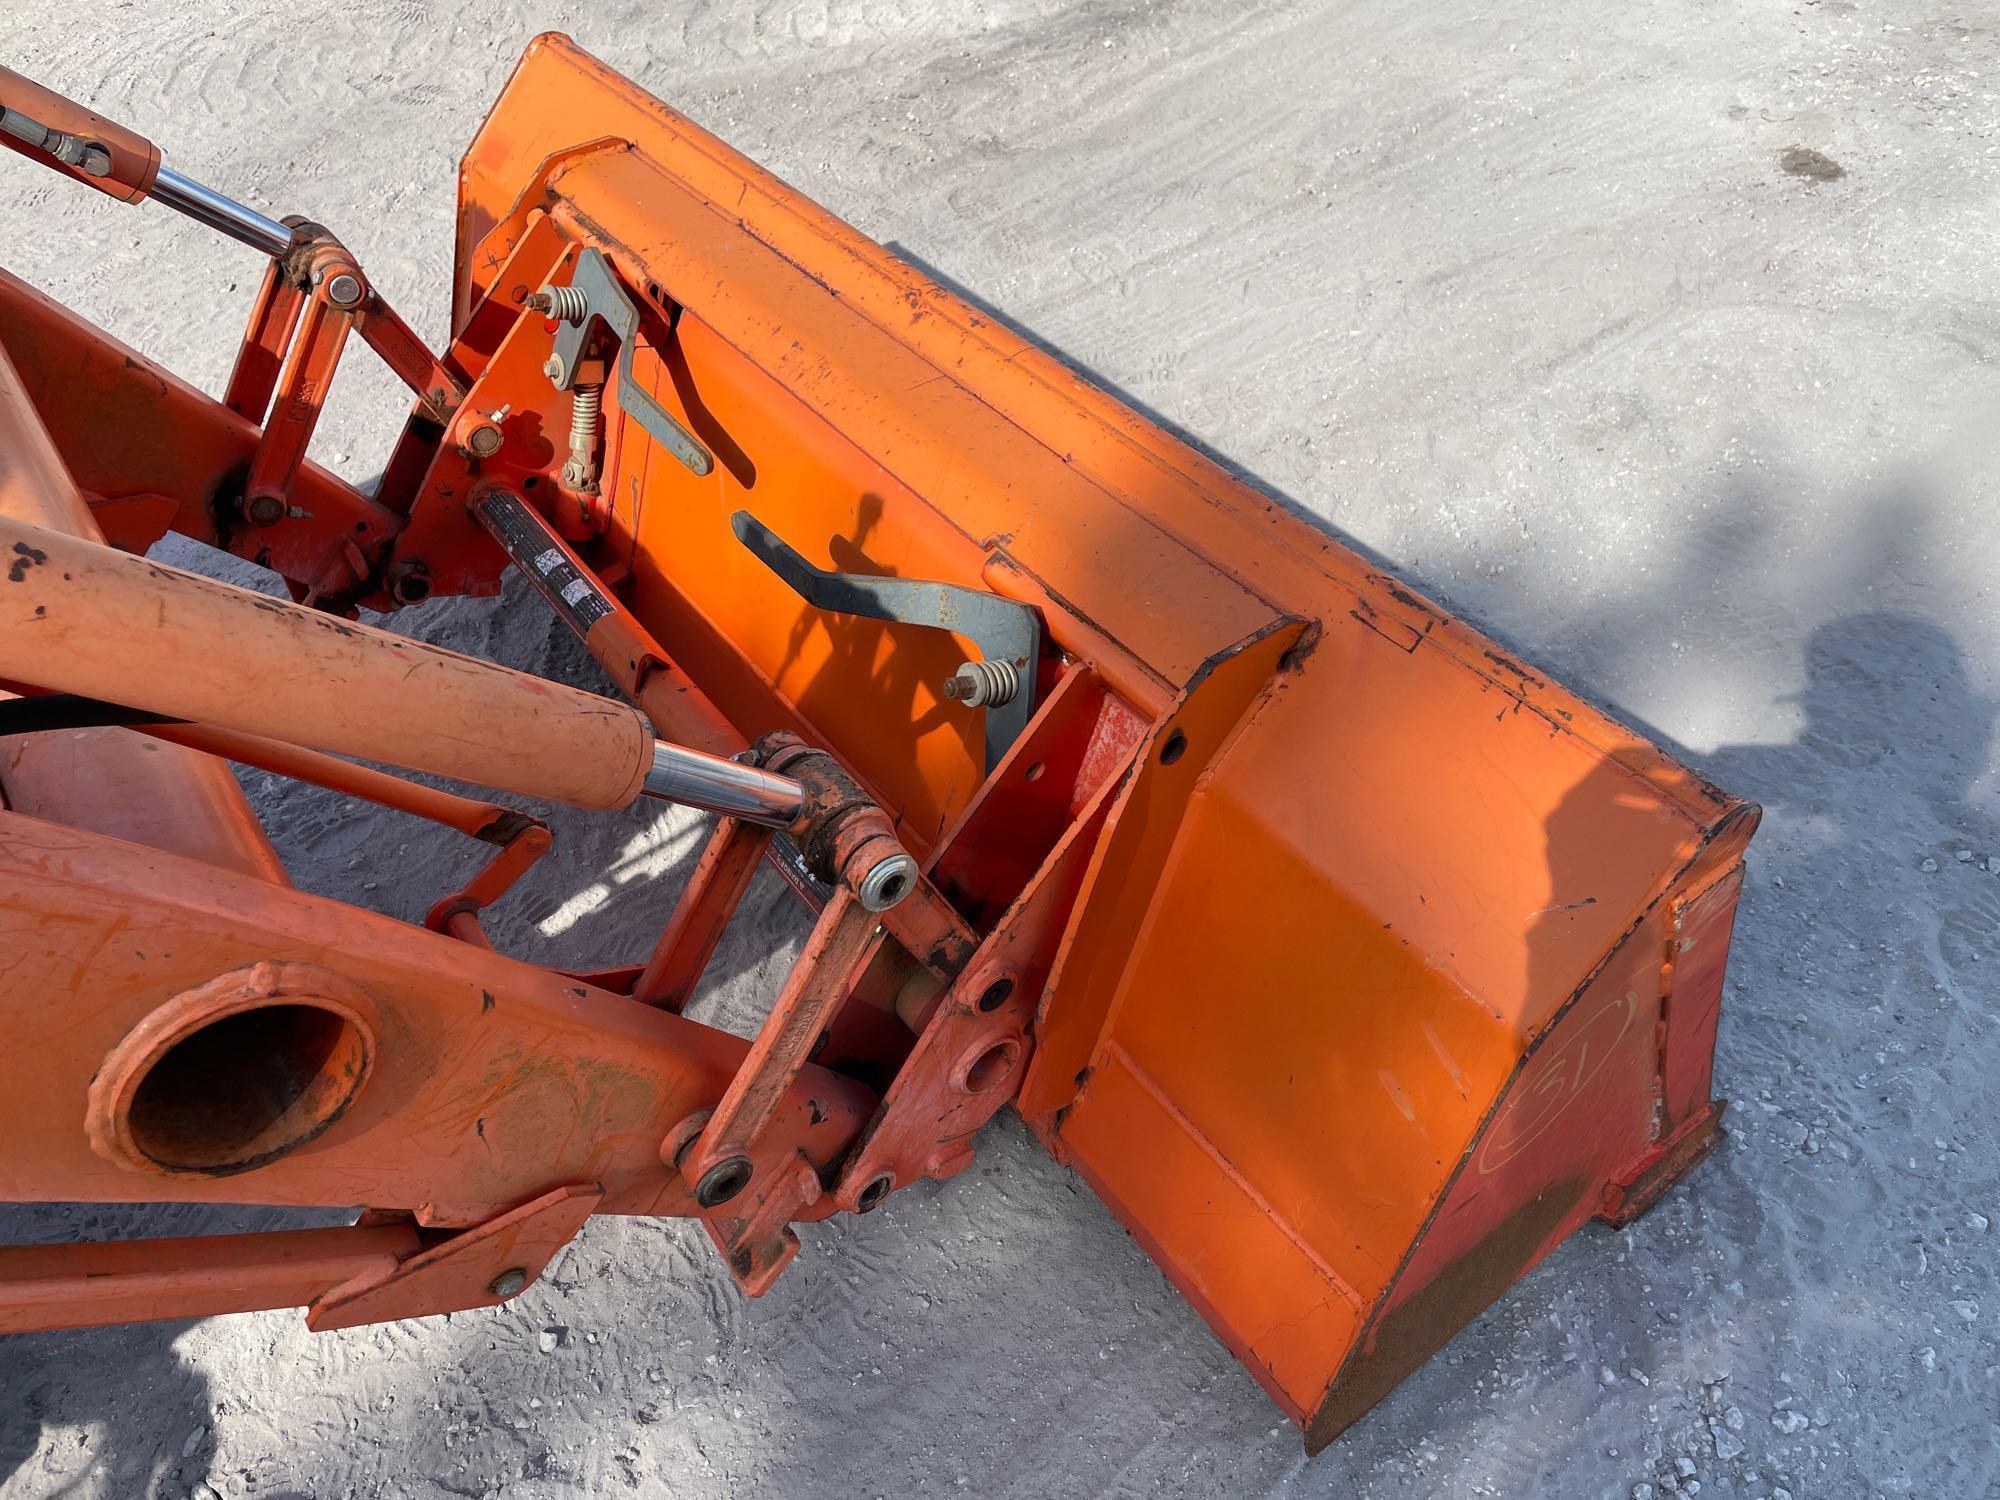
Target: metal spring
point(584, 410)
point(984, 684)
point(566, 303)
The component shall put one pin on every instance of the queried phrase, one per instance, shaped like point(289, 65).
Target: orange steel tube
point(303, 382)
point(707, 903)
point(221, 655)
point(261, 356)
point(466, 814)
point(163, 796)
point(522, 839)
point(408, 356)
point(128, 1281)
point(818, 983)
point(626, 650)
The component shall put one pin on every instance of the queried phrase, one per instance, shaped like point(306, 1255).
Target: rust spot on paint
point(1307, 643)
point(1508, 664)
point(25, 557)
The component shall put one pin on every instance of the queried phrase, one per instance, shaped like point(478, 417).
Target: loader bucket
point(1394, 961)
point(1351, 961)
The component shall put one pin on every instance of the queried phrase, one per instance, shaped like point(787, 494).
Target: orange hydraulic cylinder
point(105, 780)
point(124, 162)
point(77, 617)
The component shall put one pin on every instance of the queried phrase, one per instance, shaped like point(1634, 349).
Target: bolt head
point(409, 582)
point(344, 290)
point(553, 367)
point(509, 1282)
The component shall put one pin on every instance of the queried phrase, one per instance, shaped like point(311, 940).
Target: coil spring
point(566, 303)
point(580, 473)
point(984, 684)
point(584, 401)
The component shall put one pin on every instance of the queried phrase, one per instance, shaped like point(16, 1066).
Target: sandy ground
point(1660, 340)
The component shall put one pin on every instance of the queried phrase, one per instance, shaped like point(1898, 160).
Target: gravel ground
point(1659, 340)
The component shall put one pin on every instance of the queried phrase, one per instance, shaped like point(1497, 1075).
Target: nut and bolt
point(984, 684)
point(409, 581)
point(553, 368)
point(566, 304)
point(344, 290)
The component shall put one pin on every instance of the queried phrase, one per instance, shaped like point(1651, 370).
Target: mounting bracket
point(1003, 630)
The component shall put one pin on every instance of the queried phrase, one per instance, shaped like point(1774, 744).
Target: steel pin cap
point(887, 882)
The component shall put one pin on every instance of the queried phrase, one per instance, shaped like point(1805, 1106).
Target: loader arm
point(1351, 961)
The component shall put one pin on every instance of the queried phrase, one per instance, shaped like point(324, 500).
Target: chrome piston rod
point(715, 785)
point(206, 206)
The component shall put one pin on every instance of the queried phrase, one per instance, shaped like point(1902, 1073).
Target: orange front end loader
point(1351, 961)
